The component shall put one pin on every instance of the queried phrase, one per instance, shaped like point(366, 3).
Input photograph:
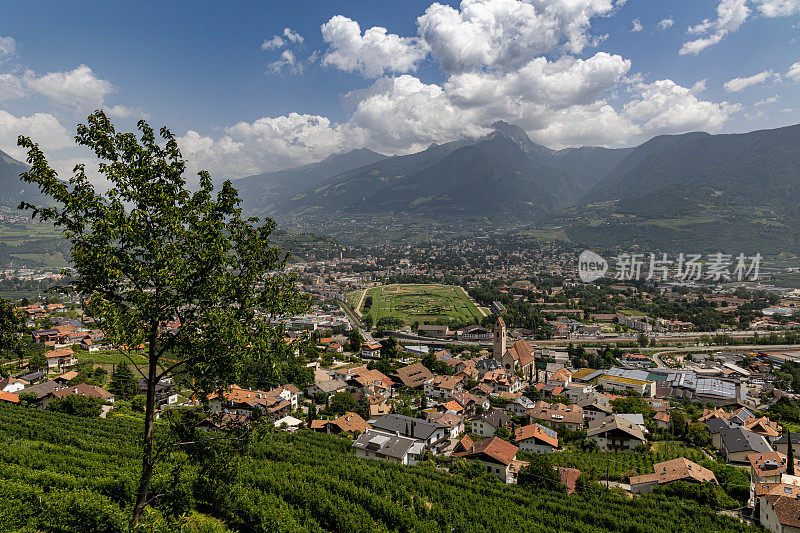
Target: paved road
point(760, 347)
point(357, 310)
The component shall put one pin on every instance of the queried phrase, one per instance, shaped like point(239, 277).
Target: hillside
point(347, 187)
point(698, 191)
point(264, 191)
point(492, 177)
point(12, 189)
point(64, 473)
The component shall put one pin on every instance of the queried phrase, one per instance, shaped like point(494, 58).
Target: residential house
point(470, 402)
point(558, 415)
point(562, 376)
point(442, 388)
point(680, 469)
point(779, 513)
point(43, 392)
point(350, 424)
point(738, 443)
point(520, 405)
point(502, 381)
point(536, 438)
point(84, 389)
point(371, 350)
point(275, 404)
point(662, 419)
point(764, 427)
point(60, 359)
point(487, 423)
point(715, 428)
point(87, 345)
point(615, 434)
point(782, 444)
point(769, 475)
point(386, 445)
point(413, 376)
point(710, 414)
point(330, 386)
point(595, 405)
point(66, 377)
point(33, 377)
point(495, 455)
point(449, 419)
point(8, 397)
point(13, 384)
point(165, 393)
point(432, 435)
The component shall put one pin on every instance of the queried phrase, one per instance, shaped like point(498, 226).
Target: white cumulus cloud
point(507, 33)
point(778, 8)
point(279, 41)
point(794, 72)
point(637, 26)
point(664, 107)
point(731, 14)
point(43, 128)
point(665, 23)
point(372, 53)
point(287, 62)
point(10, 87)
point(738, 84)
point(78, 88)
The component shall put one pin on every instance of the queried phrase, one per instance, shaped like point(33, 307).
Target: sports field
point(421, 303)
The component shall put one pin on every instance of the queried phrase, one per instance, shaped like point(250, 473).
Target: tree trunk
point(148, 462)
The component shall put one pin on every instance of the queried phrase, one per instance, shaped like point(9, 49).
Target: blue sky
point(393, 76)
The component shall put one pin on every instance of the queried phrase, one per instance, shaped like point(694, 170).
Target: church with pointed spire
point(518, 357)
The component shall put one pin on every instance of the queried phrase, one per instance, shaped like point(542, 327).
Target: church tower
point(499, 339)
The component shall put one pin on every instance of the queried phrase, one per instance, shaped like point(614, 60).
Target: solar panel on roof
point(547, 431)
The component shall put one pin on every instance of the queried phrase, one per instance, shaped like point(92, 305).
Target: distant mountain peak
point(518, 135)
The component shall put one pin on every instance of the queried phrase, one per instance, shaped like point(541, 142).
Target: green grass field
point(425, 303)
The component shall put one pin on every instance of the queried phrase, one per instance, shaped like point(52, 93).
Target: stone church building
point(518, 357)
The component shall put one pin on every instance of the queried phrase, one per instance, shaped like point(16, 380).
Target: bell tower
point(499, 339)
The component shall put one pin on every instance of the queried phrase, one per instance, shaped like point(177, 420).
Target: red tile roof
point(534, 431)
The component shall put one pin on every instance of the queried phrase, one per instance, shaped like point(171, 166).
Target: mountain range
point(689, 192)
point(12, 189)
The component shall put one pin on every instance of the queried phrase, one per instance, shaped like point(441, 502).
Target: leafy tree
point(355, 340)
point(389, 348)
point(123, 382)
point(149, 251)
point(677, 423)
point(12, 326)
point(27, 399)
point(312, 413)
point(37, 361)
point(540, 475)
point(343, 402)
point(138, 403)
point(78, 405)
point(698, 434)
point(632, 404)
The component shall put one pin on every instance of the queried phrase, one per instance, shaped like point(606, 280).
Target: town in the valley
point(635, 386)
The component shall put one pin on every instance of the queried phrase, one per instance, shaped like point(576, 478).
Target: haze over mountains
point(13, 189)
point(696, 190)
